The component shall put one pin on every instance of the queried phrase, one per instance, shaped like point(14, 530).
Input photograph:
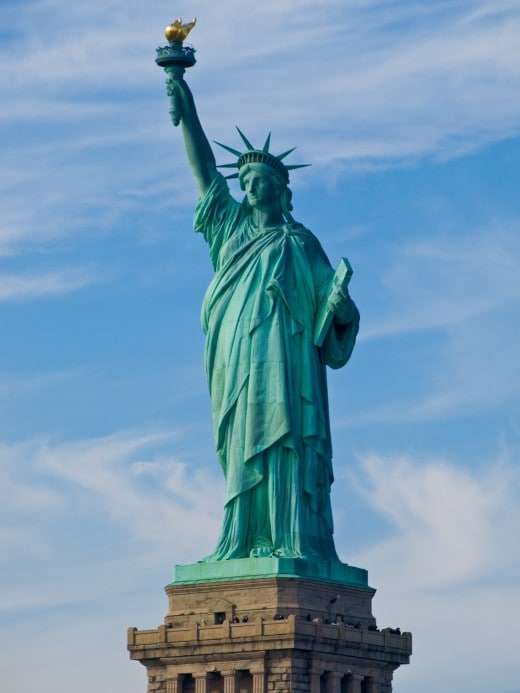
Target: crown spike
point(233, 175)
point(244, 138)
point(267, 142)
point(290, 168)
point(229, 149)
point(235, 165)
point(284, 154)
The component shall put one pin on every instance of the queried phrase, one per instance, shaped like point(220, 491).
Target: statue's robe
point(267, 380)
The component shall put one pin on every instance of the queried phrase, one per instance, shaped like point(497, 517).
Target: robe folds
point(267, 380)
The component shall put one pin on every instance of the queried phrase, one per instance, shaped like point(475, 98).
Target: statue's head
point(263, 176)
point(265, 188)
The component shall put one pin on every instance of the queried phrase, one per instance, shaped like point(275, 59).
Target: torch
point(175, 58)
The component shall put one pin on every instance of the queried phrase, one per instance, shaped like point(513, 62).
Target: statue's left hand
point(341, 305)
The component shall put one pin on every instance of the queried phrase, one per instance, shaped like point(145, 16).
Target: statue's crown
point(259, 156)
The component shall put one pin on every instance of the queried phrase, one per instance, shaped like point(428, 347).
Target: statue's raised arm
point(175, 58)
point(198, 149)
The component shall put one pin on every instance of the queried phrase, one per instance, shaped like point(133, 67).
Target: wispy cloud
point(21, 287)
point(466, 290)
point(22, 383)
point(143, 490)
point(131, 483)
point(449, 564)
point(444, 563)
point(448, 521)
point(446, 280)
point(367, 84)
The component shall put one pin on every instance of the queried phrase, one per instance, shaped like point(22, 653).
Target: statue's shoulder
point(216, 200)
point(299, 229)
point(310, 240)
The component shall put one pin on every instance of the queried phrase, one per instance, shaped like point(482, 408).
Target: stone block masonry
point(280, 635)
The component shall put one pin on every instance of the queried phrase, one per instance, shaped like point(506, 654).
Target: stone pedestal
point(256, 635)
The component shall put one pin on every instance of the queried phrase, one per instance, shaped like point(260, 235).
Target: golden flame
point(177, 31)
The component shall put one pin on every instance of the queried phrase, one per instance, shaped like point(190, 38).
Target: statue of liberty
point(266, 367)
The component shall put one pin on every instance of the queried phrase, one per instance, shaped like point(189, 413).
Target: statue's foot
point(261, 552)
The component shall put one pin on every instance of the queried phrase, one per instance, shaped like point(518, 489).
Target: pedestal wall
point(255, 636)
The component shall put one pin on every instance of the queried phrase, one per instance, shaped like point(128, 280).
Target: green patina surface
point(275, 315)
point(247, 568)
point(267, 379)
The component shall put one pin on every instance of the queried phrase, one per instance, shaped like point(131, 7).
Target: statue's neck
point(265, 218)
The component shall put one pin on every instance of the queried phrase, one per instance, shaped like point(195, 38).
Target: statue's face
point(260, 188)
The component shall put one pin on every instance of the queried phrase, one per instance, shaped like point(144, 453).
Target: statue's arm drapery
point(341, 337)
point(216, 215)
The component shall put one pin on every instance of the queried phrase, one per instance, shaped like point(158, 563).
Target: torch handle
point(173, 74)
point(175, 58)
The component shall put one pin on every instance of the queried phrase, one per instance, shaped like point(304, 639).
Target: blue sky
point(409, 113)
